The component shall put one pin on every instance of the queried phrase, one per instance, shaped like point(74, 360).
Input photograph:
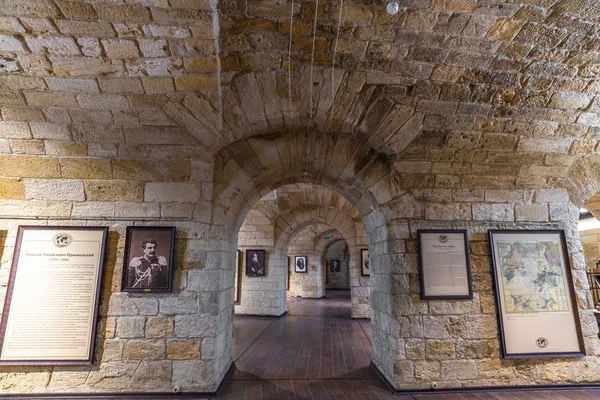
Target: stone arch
point(246, 170)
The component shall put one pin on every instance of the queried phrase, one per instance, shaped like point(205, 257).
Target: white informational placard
point(53, 293)
point(534, 291)
point(444, 265)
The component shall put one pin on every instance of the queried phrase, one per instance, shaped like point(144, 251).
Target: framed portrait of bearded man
point(148, 259)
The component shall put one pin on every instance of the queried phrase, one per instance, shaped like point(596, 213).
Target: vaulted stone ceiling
point(511, 85)
point(292, 197)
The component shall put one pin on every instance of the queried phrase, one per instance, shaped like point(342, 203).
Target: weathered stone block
point(440, 350)
point(531, 212)
point(42, 130)
point(130, 327)
point(14, 130)
point(12, 188)
point(72, 85)
point(54, 189)
point(172, 192)
point(120, 48)
point(183, 349)
point(85, 28)
point(493, 212)
point(113, 190)
point(29, 166)
point(143, 170)
point(159, 327)
point(85, 168)
point(144, 349)
point(137, 210)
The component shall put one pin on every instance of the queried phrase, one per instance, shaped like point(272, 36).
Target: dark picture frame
point(237, 290)
point(365, 264)
point(149, 259)
point(535, 297)
point(444, 264)
point(256, 263)
point(334, 266)
point(300, 264)
point(62, 247)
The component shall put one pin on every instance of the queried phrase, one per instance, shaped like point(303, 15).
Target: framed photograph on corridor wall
point(300, 264)
point(444, 267)
point(334, 266)
point(148, 259)
point(256, 263)
point(364, 262)
point(537, 307)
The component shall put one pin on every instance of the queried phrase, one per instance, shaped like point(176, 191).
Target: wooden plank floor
point(317, 352)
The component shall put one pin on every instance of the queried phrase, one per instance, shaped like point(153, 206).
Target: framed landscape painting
point(537, 310)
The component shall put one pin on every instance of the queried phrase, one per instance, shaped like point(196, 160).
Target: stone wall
point(590, 239)
point(312, 283)
point(338, 279)
point(144, 342)
point(261, 295)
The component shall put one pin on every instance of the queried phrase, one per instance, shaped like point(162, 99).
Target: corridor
point(316, 351)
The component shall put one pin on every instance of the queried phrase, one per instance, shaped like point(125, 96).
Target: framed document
point(300, 264)
point(537, 310)
point(364, 262)
point(148, 260)
point(51, 304)
point(256, 263)
point(444, 268)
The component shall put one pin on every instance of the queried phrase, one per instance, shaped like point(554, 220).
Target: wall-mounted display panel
point(51, 304)
point(444, 268)
point(537, 310)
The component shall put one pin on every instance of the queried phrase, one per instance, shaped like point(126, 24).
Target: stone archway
point(246, 170)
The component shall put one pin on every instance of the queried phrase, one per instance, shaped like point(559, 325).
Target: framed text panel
point(444, 268)
point(53, 294)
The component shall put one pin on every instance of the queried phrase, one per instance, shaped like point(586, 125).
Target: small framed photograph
point(537, 307)
point(256, 263)
point(444, 267)
point(364, 262)
point(300, 264)
point(334, 265)
point(148, 260)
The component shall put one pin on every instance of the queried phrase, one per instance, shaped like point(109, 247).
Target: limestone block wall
point(456, 342)
point(590, 239)
point(340, 279)
point(312, 283)
point(261, 295)
point(145, 342)
point(360, 285)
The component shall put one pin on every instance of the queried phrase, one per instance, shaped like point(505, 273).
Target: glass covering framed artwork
point(256, 263)
point(53, 295)
point(365, 264)
point(537, 308)
point(148, 260)
point(444, 267)
point(300, 264)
